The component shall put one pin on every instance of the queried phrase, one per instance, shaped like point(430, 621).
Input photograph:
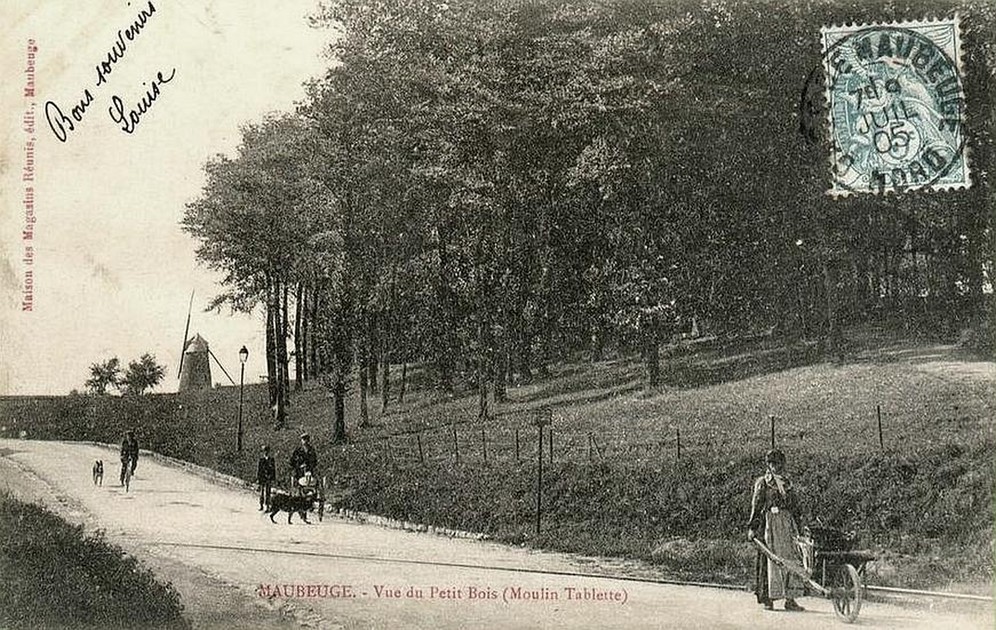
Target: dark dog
point(98, 472)
point(291, 504)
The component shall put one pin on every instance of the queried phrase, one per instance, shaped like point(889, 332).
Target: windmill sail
point(221, 366)
point(186, 330)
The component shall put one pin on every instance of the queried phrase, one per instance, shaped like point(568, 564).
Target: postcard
point(460, 314)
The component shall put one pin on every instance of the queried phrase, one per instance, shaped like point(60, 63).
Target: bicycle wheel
point(847, 593)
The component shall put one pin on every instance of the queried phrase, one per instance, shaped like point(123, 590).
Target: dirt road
point(210, 539)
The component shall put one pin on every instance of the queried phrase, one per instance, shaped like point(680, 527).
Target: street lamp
point(243, 356)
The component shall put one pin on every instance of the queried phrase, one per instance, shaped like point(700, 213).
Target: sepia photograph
point(511, 314)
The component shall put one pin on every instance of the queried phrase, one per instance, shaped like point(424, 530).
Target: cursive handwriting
point(62, 124)
point(58, 122)
point(119, 47)
point(129, 122)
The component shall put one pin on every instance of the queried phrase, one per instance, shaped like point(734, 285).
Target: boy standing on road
point(266, 474)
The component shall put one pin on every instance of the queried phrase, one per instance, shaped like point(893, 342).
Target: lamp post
point(243, 356)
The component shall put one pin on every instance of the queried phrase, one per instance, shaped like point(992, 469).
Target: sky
point(111, 271)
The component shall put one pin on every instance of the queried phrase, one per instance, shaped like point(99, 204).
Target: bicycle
point(126, 474)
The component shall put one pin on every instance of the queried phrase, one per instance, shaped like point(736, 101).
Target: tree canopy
point(492, 186)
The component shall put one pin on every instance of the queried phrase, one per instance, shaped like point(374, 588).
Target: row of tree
point(492, 186)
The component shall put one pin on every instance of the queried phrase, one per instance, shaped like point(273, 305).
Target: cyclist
point(129, 455)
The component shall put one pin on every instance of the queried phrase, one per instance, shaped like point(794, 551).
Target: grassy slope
point(924, 504)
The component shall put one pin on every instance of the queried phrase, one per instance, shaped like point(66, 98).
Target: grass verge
point(52, 575)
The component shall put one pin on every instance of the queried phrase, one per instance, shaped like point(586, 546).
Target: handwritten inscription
point(63, 123)
point(129, 122)
point(119, 47)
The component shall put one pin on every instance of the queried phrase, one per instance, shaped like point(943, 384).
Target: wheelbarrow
point(828, 556)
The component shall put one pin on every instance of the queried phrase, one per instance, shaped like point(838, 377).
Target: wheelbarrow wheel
point(847, 594)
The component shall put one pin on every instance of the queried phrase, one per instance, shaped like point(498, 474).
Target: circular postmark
point(895, 102)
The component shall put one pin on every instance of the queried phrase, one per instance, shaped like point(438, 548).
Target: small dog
point(291, 504)
point(98, 472)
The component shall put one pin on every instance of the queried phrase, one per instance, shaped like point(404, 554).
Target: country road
point(235, 568)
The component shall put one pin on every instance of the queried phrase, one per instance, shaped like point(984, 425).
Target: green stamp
point(896, 106)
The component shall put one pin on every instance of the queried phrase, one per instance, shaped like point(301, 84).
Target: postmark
point(895, 103)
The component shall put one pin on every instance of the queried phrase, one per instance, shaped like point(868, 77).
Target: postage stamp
point(895, 103)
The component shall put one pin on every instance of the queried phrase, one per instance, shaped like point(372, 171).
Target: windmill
point(195, 359)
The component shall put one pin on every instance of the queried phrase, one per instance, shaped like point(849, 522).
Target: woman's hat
point(774, 456)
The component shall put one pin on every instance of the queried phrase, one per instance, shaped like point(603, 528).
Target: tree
point(103, 376)
point(143, 374)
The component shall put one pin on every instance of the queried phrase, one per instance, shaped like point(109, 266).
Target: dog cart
point(831, 566)
point(308, 486)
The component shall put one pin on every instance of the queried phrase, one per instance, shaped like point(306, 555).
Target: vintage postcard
point(497, 314)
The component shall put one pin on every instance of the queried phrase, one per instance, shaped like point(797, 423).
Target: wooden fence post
point(484, 443)
point(677, 431)
point(878, 412)
point(516, 445)
point(772, 432)
point(456, 445)
point(540, 423)
point(421, 455)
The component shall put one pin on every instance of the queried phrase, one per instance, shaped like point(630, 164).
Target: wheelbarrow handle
point(791, 567)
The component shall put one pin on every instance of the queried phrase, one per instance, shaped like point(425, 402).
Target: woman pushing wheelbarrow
point(774, 510)
point(787, 561)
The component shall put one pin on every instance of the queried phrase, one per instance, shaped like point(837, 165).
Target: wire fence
point(514, 438)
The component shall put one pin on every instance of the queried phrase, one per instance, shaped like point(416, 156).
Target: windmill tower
point(195, 360)
point(195, 366)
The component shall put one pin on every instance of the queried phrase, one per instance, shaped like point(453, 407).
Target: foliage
point(143, 374)
point(103, 376)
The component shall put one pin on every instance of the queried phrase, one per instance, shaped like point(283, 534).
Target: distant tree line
point(489, 187)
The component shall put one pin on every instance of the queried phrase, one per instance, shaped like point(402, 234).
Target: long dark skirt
point(771, 581)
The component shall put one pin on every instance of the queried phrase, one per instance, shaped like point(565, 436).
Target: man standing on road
point(303, 460)
point(129, 455)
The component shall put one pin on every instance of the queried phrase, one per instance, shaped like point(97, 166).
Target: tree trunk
point(339, 408)
point(271, 345)
point(298, 341)
point(385, 386)
point(525, 346)
point(284, 359)
point(652, 361)
point(373, 362)
point(501, 374)
point(444, 353)
point(364, 384)
point(404, 383)
point(315, 367)
point(833, 340)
